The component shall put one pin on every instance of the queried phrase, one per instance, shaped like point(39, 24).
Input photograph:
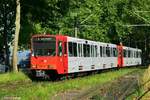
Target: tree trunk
point(17, 23)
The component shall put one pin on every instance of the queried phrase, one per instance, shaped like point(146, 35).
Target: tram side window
point(79, 50)
point(92, 51)
point(75, 49)
point(86, 50)
point(108, 51)
point(133, 54)
point(104, 54)
point(65, 48)
point(136, 54)
point(101, 51)
point(125, 53)
point(111, 53)
point(95, 51)
point(70, 49)
point(129, 53)
point(139, 54)
point(114, 52)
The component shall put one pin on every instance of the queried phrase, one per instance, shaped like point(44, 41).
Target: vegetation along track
point(116, 89)
point(27, 89)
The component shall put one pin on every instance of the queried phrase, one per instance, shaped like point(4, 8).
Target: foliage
point(95, 19)
point(7, 20)
point(100, 20)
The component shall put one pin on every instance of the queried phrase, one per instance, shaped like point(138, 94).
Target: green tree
point(7, 19)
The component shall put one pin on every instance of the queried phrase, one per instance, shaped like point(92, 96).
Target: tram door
point(62, 54)
point(120, 56)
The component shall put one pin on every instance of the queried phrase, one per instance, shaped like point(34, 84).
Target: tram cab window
point(44, 46)
point(60, 48)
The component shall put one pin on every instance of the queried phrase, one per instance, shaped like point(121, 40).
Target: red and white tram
point(64, 55)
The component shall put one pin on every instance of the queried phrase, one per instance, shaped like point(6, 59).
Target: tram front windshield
point(43, 46)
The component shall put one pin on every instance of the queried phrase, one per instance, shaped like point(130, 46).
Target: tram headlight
point(33, 66)
point(50, 66)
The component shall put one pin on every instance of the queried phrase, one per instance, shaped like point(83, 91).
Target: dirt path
point(118, 89)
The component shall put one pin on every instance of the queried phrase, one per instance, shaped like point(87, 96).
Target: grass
point(12, 77)
point(144, 79)
point(46, 90)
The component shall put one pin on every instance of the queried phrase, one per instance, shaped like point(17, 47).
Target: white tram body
point(91, 55)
